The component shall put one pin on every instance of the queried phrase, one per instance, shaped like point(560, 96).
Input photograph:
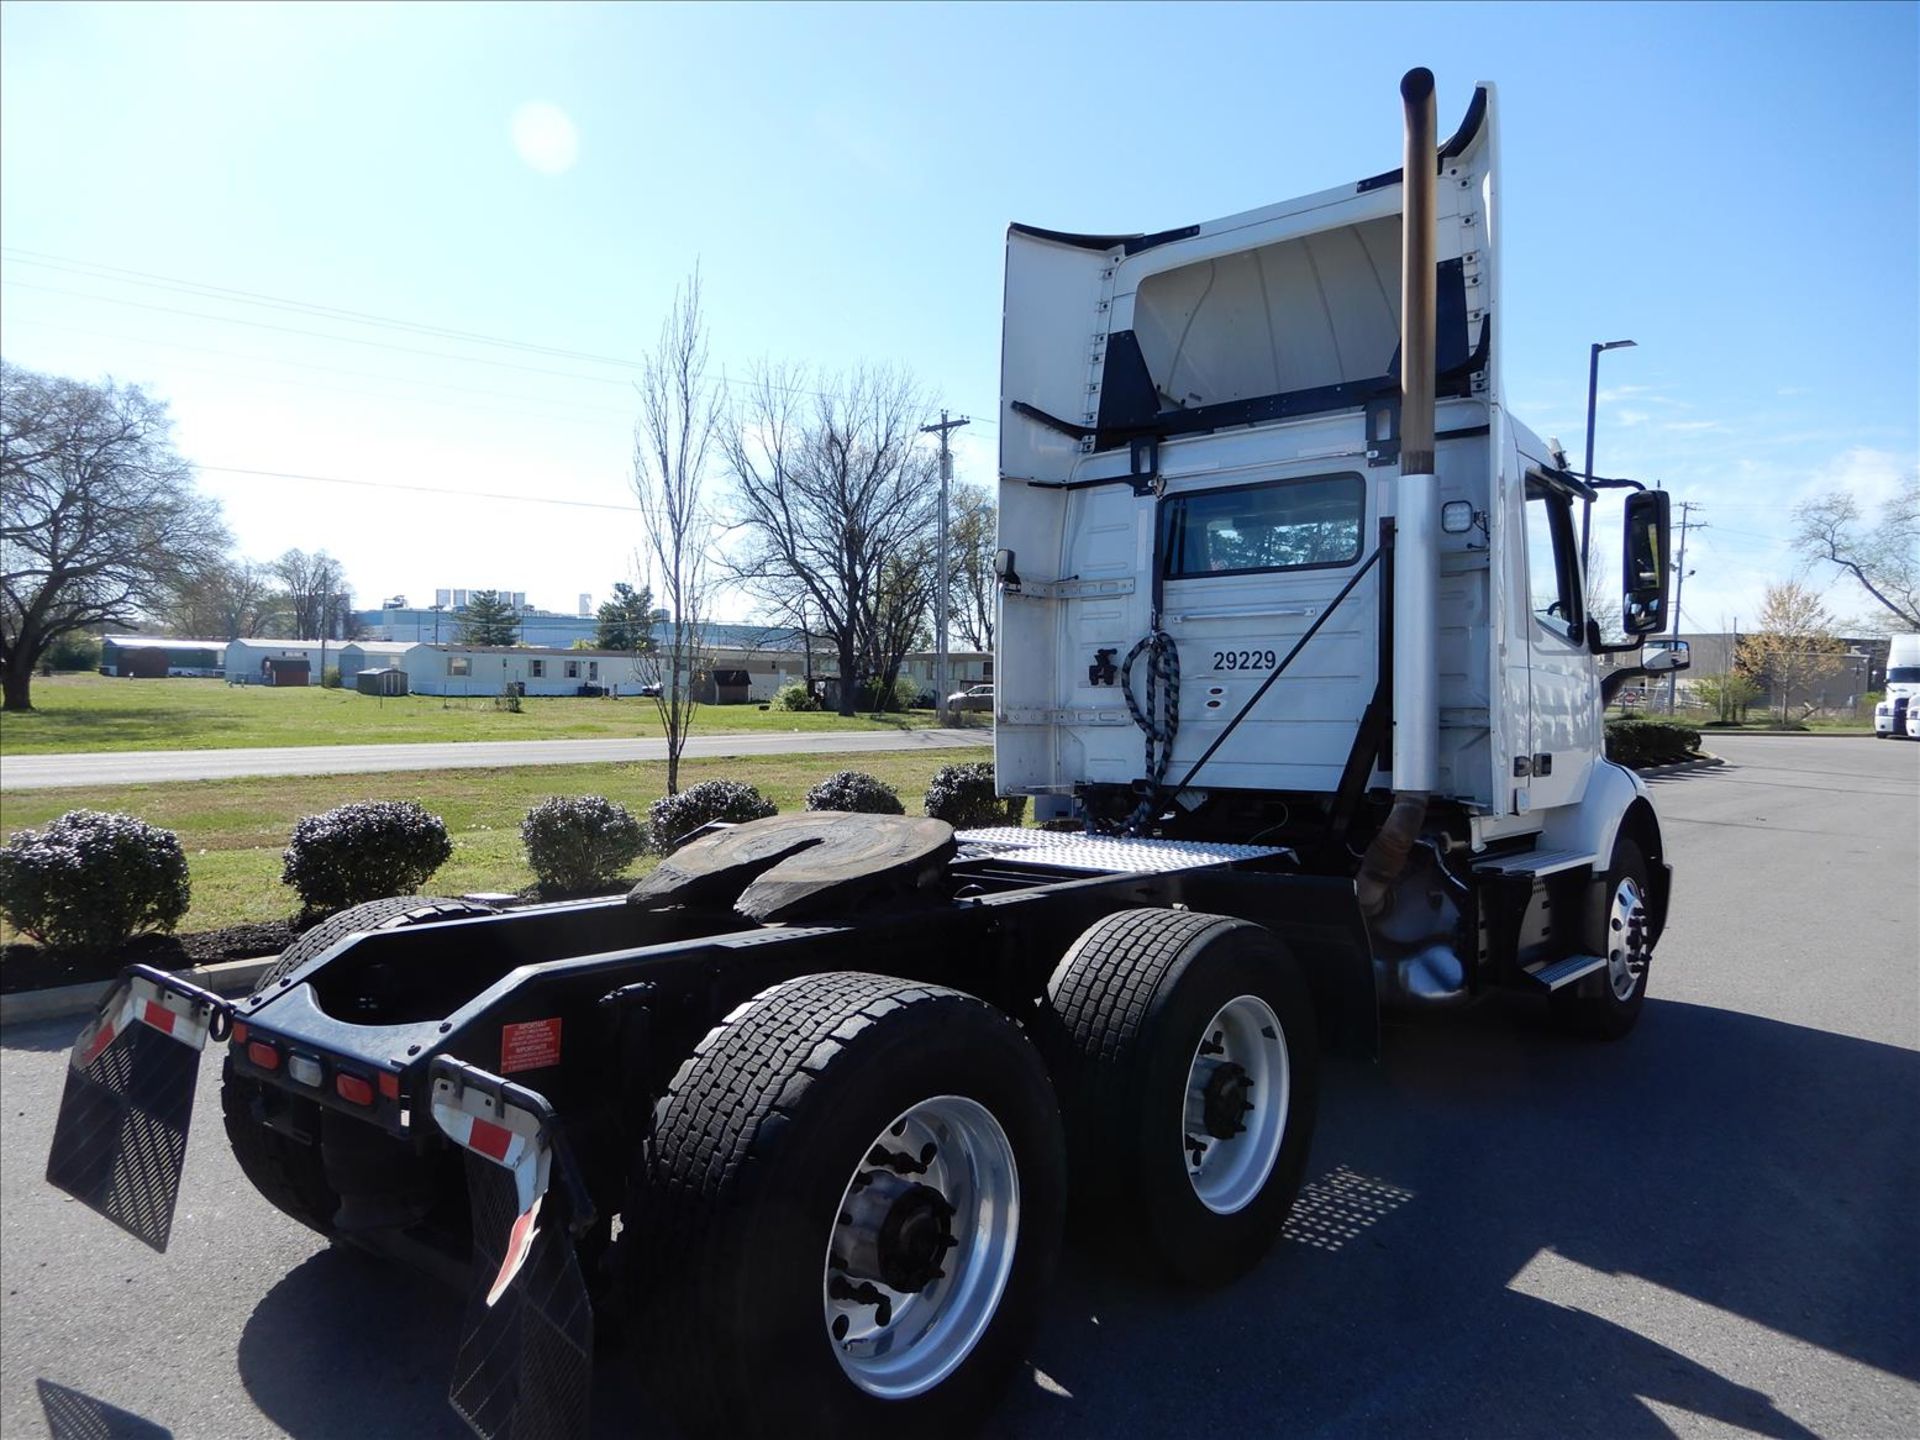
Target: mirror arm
point(1615, 680)
point(1599, 646)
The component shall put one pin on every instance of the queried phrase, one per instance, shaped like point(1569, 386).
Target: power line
point(122, 275)
point(424, 489)
point(312, 334)
point(96, 271)
point(457, 389)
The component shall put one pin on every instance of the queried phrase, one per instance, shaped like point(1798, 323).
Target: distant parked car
point(650, 692)
point(975, 697)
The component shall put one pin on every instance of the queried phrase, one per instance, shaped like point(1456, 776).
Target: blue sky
point(1734, 187)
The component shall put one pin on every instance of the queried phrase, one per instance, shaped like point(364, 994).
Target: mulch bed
point(26, 966)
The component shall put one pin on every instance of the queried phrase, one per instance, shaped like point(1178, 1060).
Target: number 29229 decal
point(1244, 659)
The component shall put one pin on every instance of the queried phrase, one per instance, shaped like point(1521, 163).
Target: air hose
point(1159, 718)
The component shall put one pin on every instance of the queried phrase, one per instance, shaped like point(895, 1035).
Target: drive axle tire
point(290, 1175)
point(389, 914)
point(1184, 1050)
point(1606, 1005)
point(848, 1213)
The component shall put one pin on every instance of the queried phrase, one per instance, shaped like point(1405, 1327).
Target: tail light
point(389, 1085)
point(239, 1035)
point(353, 1089)
point(264, 1055)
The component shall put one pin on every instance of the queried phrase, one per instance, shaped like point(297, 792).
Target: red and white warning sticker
point(529, 1045)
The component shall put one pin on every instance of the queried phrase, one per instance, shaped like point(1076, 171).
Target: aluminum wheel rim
point(1227, 1172)
point(1626, 935)
point(929, 1332)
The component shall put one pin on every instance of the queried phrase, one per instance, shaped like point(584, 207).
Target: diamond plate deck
point(1102, 854)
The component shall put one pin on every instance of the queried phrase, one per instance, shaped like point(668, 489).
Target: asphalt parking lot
point(1706, 1230)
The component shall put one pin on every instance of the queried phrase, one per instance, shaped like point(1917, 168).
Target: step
point(1556, 973)
point(1533, 862)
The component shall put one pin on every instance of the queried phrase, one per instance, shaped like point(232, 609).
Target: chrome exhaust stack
point(1416, 559)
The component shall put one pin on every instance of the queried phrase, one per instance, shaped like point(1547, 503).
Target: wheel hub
point(1235, 1117)
point(1225, 1100)
point(895, 1231)
point(921, 1247)
point(1629, 948)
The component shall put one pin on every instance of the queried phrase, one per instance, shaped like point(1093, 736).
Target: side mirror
point(1643, 582)
point(1673, 655)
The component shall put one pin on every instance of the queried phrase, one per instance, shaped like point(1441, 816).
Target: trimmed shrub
point(877, 696)
point(579, 842)
point(365, 851)
point(962, 795)
point(853, 790)
point(330, 678)
point(796, 697)
point(1639, 741)
point(91, 881)
point(674, 816)
point(74, 652)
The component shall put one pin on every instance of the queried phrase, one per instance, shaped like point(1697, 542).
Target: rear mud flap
point(524, 1370)
point(120, 1140)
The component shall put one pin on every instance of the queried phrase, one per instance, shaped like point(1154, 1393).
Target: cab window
point(1553, 561)
point(1252, 529)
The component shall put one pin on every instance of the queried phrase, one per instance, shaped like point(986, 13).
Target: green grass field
point(92, 712)
point(234, 830)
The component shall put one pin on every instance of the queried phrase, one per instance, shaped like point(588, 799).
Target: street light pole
point(1593, 395)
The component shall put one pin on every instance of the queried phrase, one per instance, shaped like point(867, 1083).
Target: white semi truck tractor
point(1896, 715)
point(1280, 566)
point(1293, 649)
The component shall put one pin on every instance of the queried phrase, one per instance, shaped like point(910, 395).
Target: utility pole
point(944, 581)
point(1687, 522)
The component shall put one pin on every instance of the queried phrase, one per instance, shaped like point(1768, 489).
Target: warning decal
point(530, 1045)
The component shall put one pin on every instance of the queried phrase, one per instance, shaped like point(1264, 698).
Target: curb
point(1680, 767)
point(1798, 734)
point(229, 977)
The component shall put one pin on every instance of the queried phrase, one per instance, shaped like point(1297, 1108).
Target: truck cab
point(1204, 515)
point(1896, 715)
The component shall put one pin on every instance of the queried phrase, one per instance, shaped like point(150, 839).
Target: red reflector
point(389, 1085)
point(239, 1036)
point(263, 1055)
point(353, 1089)
point(159, 1017)
point(489, 1139)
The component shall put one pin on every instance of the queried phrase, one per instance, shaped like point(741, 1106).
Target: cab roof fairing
point(1074, 302)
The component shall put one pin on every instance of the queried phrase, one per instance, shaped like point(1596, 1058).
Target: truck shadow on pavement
point(1497, 1216)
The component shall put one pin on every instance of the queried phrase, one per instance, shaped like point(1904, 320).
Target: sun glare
point(545, 138)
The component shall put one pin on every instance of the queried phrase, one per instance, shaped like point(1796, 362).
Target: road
point(1705, 1230)
point(152, 767)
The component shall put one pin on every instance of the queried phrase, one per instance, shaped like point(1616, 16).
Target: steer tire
point(1129, 1007)
point(392, 913)
point(289, 1174)
point(730, 1231)
point(1591, 1008)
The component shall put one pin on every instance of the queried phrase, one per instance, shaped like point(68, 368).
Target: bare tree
point(1793, 648)
point(972, 531)
point(224, 600)
point(1883, 558)
point(680, 410)
point(829, 486)
point(315, 589)
point(98, 514)
point(895, 618)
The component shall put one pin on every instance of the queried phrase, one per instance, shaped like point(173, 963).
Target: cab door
point(1563, 698)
